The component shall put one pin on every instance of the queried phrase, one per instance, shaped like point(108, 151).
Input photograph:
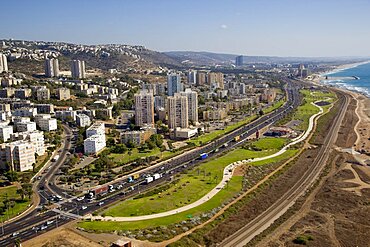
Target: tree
point(129, 154)
point(28, 189)
point(12, 176)
point(21, 192)
point(110, 142)
point(151, 144)
point(260, 112)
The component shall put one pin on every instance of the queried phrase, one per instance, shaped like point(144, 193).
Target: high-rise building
point(239, 61)
point(177, 108)
point(78, 69)
point(201, 77)
point(174, 84)
point(216, 79)
point(192, 104)
point(51, 67)
point(3, 63)
point(192, 77)
point(144, 108)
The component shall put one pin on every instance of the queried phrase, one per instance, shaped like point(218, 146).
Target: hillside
point(29, 56)
point(211, 59)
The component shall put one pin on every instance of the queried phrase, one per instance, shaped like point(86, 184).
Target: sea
point(345, 78)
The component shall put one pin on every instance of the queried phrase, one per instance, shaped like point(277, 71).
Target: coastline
point(347, 87)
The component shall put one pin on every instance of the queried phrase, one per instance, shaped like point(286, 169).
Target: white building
point(25, 126)
point(144, 108)
point(94, 144)
point(177, 108)
point(47, 124)
point(3, 63)
point(96, 129)
point(192, 104)
point(17, 156)
point(78, 69)
point(63, 93)
point(95, 140)
point(3, 115)
point(83, 120)
point(5, 133)
point(51, 67)
point(36, 138)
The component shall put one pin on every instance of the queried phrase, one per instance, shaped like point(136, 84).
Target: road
point(264, 220)
point(70, 209)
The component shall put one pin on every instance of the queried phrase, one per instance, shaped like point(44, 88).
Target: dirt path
point(327, 214)
point(357, 180)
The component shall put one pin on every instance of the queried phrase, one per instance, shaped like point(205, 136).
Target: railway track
point(264, 220)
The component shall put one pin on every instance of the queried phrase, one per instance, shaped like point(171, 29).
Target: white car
point(15, 234)
point(80, 198)
point(84, 207)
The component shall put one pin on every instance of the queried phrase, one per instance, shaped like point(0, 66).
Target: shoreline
point(346, 86)
point(343, 67)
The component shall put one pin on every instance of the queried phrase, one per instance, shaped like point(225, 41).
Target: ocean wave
point(348, 86)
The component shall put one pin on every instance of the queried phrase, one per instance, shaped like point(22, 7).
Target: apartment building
point(144, 108)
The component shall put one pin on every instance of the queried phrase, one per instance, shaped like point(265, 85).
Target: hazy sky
point(249, 27)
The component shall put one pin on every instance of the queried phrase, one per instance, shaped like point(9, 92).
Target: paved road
point(265, 219)
point(23, 226)
point(227, 174)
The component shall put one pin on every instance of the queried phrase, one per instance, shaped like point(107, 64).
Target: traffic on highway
point(65, 208)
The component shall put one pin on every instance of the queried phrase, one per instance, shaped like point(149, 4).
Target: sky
point(313, 28)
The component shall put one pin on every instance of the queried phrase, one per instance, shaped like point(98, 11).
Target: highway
point(264, 220)
point(37, 222)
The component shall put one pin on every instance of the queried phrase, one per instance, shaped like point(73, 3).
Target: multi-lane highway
point(265, 219)
point(36, 222)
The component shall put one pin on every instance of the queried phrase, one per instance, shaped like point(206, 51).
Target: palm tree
point(21, 192)
point(129, 155)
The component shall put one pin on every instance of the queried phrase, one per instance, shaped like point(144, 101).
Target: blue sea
point(344, 78)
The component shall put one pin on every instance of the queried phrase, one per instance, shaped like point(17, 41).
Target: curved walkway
point(227, 176)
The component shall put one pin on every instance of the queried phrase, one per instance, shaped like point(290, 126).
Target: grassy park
point(128, 207)
point(306, 110)
point(11, 203)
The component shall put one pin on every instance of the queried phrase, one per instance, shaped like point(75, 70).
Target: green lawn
point(125, 158)
point(268, 143)
point(10, 192)
point(305, 111)
point(225, 194)
point(191, 187)
point(214, 134)
point(128, 208)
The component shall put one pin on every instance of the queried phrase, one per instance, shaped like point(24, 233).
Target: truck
point(157, 176)
point(236, 138)
point(203, 156)
point(149, 180)
point(55, 158)
point(100, 190)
